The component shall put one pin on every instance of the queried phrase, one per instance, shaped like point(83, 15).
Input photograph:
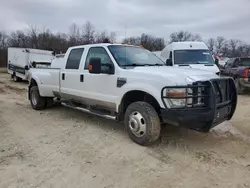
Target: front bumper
point(219, 106)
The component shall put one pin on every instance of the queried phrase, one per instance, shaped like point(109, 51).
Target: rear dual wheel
point(16, 78)
point(37, 101)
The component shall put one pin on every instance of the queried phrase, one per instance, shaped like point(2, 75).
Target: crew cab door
point(100, 89)
point(70, 77)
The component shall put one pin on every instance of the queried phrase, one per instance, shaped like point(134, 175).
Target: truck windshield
point(245, 61)
point(134, 56)
point(192, 57)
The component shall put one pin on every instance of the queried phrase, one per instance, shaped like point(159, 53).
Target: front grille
point(199, 93)
point(222, 90)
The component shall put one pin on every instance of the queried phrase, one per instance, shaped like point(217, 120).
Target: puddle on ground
point(226, 128)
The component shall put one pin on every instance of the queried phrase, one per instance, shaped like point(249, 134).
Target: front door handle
point(81, 78)
point(63, 76)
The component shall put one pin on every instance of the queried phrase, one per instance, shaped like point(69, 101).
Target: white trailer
point(21, 59)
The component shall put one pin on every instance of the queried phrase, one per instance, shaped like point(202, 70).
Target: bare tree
point(147, 41)
point(244, 50)
point(33, 33)
point(59, 42)
point(3, 40)
point(100, 37)
point(74, 35)
point(152, 43)
point(211, 44)
point(181, 36)
point(220, 44)
point(19, 39)
point(233, 46)
point(112, 37)
point(44, 39)
point(133, 40)
point(88, 31)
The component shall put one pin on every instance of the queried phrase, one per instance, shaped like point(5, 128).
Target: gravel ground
point(61, 147)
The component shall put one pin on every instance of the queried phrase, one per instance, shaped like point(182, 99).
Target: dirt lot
point(61, 147)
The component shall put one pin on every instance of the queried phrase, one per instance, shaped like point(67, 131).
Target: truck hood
point(176, 75)
point(211, 68)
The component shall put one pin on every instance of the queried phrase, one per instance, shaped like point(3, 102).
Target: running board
point(89, 111)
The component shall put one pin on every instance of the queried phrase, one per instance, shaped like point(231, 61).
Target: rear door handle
point(81, 78)
point(63, 76)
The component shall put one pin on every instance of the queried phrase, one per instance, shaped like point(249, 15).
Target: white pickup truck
point(129, 83)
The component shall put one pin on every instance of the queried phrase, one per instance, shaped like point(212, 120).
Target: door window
point(74, 58)
point(98, 52)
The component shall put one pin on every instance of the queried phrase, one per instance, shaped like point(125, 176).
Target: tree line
point(218, 46)
point(42, 38)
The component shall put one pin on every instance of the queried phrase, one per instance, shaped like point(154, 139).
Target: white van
point(188, 55)
point(21, 59)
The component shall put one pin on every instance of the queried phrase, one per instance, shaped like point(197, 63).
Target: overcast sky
point(209, 18)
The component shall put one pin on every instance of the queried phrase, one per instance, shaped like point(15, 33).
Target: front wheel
point(142, 123)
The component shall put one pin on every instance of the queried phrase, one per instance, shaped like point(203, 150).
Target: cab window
point(98, 52)
point(74, 58)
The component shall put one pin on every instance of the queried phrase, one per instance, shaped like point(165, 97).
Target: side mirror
point(169, 62)
point(107, 69)
point(95, 66)
point(26, 67)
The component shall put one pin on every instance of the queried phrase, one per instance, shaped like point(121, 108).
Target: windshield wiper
point(134, 65)
point(141, 65)
point(157, 64)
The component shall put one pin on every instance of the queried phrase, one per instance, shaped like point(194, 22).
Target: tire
point(239, 88)
point(37, 102)
point(142, 123)
point(16, 78)
point(49, 102)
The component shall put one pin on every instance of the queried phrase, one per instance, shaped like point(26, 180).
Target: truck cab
point(195, 55)
point(130, 84)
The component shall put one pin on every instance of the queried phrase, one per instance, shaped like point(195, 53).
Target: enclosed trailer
point(21, 59)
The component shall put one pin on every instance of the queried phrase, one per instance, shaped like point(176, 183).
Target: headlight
point(184, 97)
point(176, 99)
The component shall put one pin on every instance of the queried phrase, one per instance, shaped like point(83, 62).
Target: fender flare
point(140, 87)
point(37, 83)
